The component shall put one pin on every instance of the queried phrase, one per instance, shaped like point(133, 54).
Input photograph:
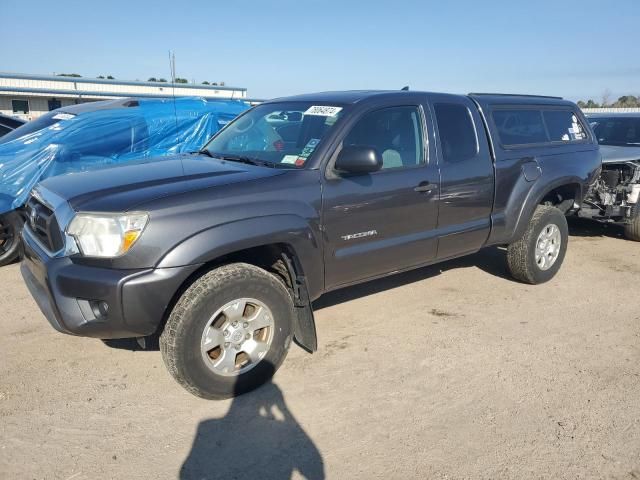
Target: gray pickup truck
point(220, 253)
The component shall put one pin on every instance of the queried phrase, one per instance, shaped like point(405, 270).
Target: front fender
point(292, 230)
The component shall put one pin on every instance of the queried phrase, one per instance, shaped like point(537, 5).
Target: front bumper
point(73, 297)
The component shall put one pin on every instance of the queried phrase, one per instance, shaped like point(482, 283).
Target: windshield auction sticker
point(323, 111)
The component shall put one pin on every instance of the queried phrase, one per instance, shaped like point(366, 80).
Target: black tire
point(632, 230)
point(10, 229)
point(181, 338)
point(521, 258)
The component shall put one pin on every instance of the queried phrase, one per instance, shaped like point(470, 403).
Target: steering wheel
point(249, 121)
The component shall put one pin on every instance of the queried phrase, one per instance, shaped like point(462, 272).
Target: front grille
point(43, 224)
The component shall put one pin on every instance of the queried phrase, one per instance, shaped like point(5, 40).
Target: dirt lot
point(452, 371)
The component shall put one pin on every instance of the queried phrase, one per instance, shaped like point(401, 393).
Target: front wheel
point(10, 228)
point(229, 332)
point(537, 256)
point(632, 229)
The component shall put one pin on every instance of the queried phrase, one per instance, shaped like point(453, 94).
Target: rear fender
point(526, 195)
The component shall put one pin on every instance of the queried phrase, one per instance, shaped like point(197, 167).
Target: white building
point(29, 96)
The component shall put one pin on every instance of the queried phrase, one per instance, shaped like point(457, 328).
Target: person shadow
point(258, 438)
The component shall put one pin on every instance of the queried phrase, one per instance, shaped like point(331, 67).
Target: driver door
point(384, 221)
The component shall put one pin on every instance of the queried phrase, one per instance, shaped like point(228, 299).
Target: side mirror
point(359, 159)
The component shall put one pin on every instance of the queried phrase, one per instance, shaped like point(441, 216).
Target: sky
point(575, 49)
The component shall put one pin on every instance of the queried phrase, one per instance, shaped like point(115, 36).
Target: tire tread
point(632, 230)
point(174, 330)
point(518, 252)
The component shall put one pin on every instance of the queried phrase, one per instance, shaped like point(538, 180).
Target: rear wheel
point(632, 229)
point(229, 332)
point(10, 228)
point(537, 256)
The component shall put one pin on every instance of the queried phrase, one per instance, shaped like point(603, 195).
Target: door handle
point(424, 187)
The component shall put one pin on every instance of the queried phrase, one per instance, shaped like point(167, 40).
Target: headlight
point(106, 234)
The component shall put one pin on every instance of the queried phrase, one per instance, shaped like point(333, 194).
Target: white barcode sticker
point(63, 116)
point(323, 111)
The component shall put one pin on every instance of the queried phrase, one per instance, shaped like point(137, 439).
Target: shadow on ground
point(581, 227)
point(258, 438)
point(492, 260)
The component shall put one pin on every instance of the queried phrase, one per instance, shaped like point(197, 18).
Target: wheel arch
point(291, 254)
point(562, 193)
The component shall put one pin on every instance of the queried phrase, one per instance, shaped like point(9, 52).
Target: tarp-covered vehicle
point(97, 135)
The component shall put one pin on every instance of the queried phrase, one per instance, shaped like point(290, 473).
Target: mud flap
point(304, 332)
point(305, 329)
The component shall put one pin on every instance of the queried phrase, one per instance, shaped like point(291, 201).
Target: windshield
point(44, 121)
point(276, 134)
point(619, 131)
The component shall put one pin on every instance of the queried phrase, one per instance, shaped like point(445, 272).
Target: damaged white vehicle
point(615, 197)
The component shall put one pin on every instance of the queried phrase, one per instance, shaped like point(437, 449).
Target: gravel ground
point(451, 371)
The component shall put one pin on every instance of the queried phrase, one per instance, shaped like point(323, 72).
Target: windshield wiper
point(203, 152)
point(245, 159)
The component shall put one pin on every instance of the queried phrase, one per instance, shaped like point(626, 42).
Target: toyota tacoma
point(221, 252)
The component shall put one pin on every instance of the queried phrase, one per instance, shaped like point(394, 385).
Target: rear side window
point(456, 131)
point(520, 127)
point(563, 126)
point(530, 126)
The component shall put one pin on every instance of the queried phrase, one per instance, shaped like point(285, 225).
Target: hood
point(616, 154)
point(123, 188)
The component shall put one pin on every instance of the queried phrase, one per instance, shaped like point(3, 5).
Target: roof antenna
point(172, 68)
point(405, 88)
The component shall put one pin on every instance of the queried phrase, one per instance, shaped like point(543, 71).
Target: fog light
point(100, 309)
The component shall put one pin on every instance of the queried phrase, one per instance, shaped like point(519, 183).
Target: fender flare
point(306, 268)
point(535, 197)
point(217, 241)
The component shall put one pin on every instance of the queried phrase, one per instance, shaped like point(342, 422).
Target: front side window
point(395, 132)
point(620, 131)
point(98, 137)
point(281, 135)
point(563, 126)
point(520, 126)
point(457, 133)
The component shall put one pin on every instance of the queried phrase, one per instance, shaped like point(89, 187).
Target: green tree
point(626, 101)
point(181, 80)
point(205, 83)
point(100, 76)
point(162, 80)
point(152, 79)
point(69, 75)
point(109, 77)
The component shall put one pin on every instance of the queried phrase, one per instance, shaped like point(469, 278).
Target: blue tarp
point(91, 136)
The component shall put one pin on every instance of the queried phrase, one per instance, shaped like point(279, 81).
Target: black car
point(9, 124)
point(221, 253)
point(615, 197)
